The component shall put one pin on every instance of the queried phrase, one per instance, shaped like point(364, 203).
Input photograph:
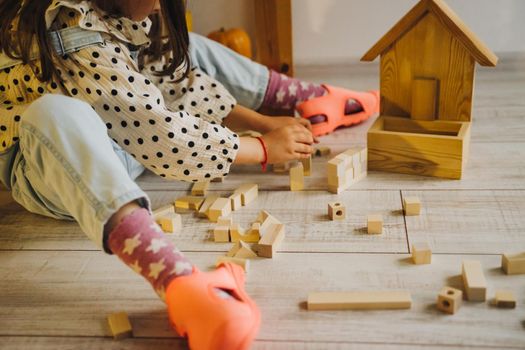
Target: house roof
point(481, 53)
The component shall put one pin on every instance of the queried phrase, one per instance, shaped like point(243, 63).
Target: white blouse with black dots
point(173, 129)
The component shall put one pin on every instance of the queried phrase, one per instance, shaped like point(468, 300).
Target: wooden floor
point(56, 289)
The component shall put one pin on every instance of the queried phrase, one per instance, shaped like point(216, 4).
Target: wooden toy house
point(427, 80)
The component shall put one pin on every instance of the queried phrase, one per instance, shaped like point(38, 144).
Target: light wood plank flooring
point(56, 289)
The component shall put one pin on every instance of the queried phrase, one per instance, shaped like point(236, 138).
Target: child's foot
point(213, 310)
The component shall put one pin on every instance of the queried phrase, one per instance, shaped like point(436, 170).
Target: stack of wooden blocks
point(346, 169)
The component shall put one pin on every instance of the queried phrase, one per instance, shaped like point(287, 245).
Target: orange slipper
point(207, 319)
point(332, 109)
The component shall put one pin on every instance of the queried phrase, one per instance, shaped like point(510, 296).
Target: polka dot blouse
point(173, 129)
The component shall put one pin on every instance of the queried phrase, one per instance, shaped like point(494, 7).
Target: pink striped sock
point(140, 243)
point(284, 93)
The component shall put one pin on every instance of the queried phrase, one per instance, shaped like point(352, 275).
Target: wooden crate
point(430, 148)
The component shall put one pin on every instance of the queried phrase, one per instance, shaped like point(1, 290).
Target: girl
point(91, 94)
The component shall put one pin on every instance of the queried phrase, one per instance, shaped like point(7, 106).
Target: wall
point(332, 31)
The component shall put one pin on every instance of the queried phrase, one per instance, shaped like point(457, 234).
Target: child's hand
point(272, 123)
point(292, 141)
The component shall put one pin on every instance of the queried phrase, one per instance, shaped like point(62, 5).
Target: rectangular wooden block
point(474, 280)
point(336, 211)
point(244, 263)
point(189, 202)
point(270, 241)
point(119, 325)
point(249, 193)
point(375, 224)
point(236, 201)
point(163, 211)
point(449, 300)
point(424, 99)
point(513, 264)
point(200, 188)
point(307, 166)
point(297, 177)
point(411, 206)
point(421, 254)
point(221, 234)
point(203, 210)
point(268, 222)
point(221, 207)
point(170, 223)
point(359, 300)
point(505, 299)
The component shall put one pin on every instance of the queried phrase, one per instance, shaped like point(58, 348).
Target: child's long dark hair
point(17, 41)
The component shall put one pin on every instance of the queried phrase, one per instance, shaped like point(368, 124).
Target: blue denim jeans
point(65, 166)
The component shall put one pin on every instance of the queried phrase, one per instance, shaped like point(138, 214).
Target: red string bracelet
point(264, 163)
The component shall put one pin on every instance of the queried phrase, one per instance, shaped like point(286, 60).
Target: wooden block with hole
point(120, 326)
point(170, 223)
point(203, 210)
point(359, 300)
point(221, 234)
point(411, 206)
point(249, 193)
point(513, 264)
point(449, 300)
point(336, 211)
point(189, 202)
point(307, 166)
point(297, 177)
point(270, 241)
point(474, 280)
point(421, 254)
point(505, 299)
point(374, 224)
point(237, 234)
point(244, 263)
point(200, 188)
point(236, 201)
point(221, 207)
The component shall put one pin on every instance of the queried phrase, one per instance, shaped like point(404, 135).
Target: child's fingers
point(303, 148)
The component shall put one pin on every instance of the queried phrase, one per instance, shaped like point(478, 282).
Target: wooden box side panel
point(428, 50)
point(417, 154)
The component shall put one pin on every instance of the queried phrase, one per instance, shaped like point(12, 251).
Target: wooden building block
point(236, 201)
point(411, 206)
point(359, 300)
point(203, 210)
point(163, 211)
point(270, 241)
point(375, 224)
point(200, 188)
point(322, 151)
point(513, 264)
point(421, 254)
point(297, 177)
point(170, 223)
point(249, 193)
point(237, 234)
point(244, 263)
point(263, 214)
point(189, 202)
point(221, 234)
point(268, 222)
point(449, 300)
point(307, 166)
point(505, 299)
point(221, 207)
point(336, 211)
point(424, 98)
point(224, 221)
point(241, 250)
point(120, 326)
point(474, 280)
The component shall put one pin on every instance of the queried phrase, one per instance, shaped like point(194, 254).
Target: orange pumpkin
point(236, 39)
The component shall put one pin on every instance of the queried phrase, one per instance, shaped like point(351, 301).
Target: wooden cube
point(336, 211)
point(513, 264)
point(505, 299)
point(375, 224)
point(474, 280)
point(200, 188)
point(119, 325)
point(411, 206)
point(421, 254)
point(221, 234)
point(449, 300)
point(270, 241)
point(244, 263)
point(297, 178)
point(221, 207)
point(170, 223)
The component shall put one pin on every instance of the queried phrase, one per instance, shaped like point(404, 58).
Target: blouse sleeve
point(172, 144)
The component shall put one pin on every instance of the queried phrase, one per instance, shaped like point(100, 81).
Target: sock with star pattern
point(284, 93)
point(140, 243)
